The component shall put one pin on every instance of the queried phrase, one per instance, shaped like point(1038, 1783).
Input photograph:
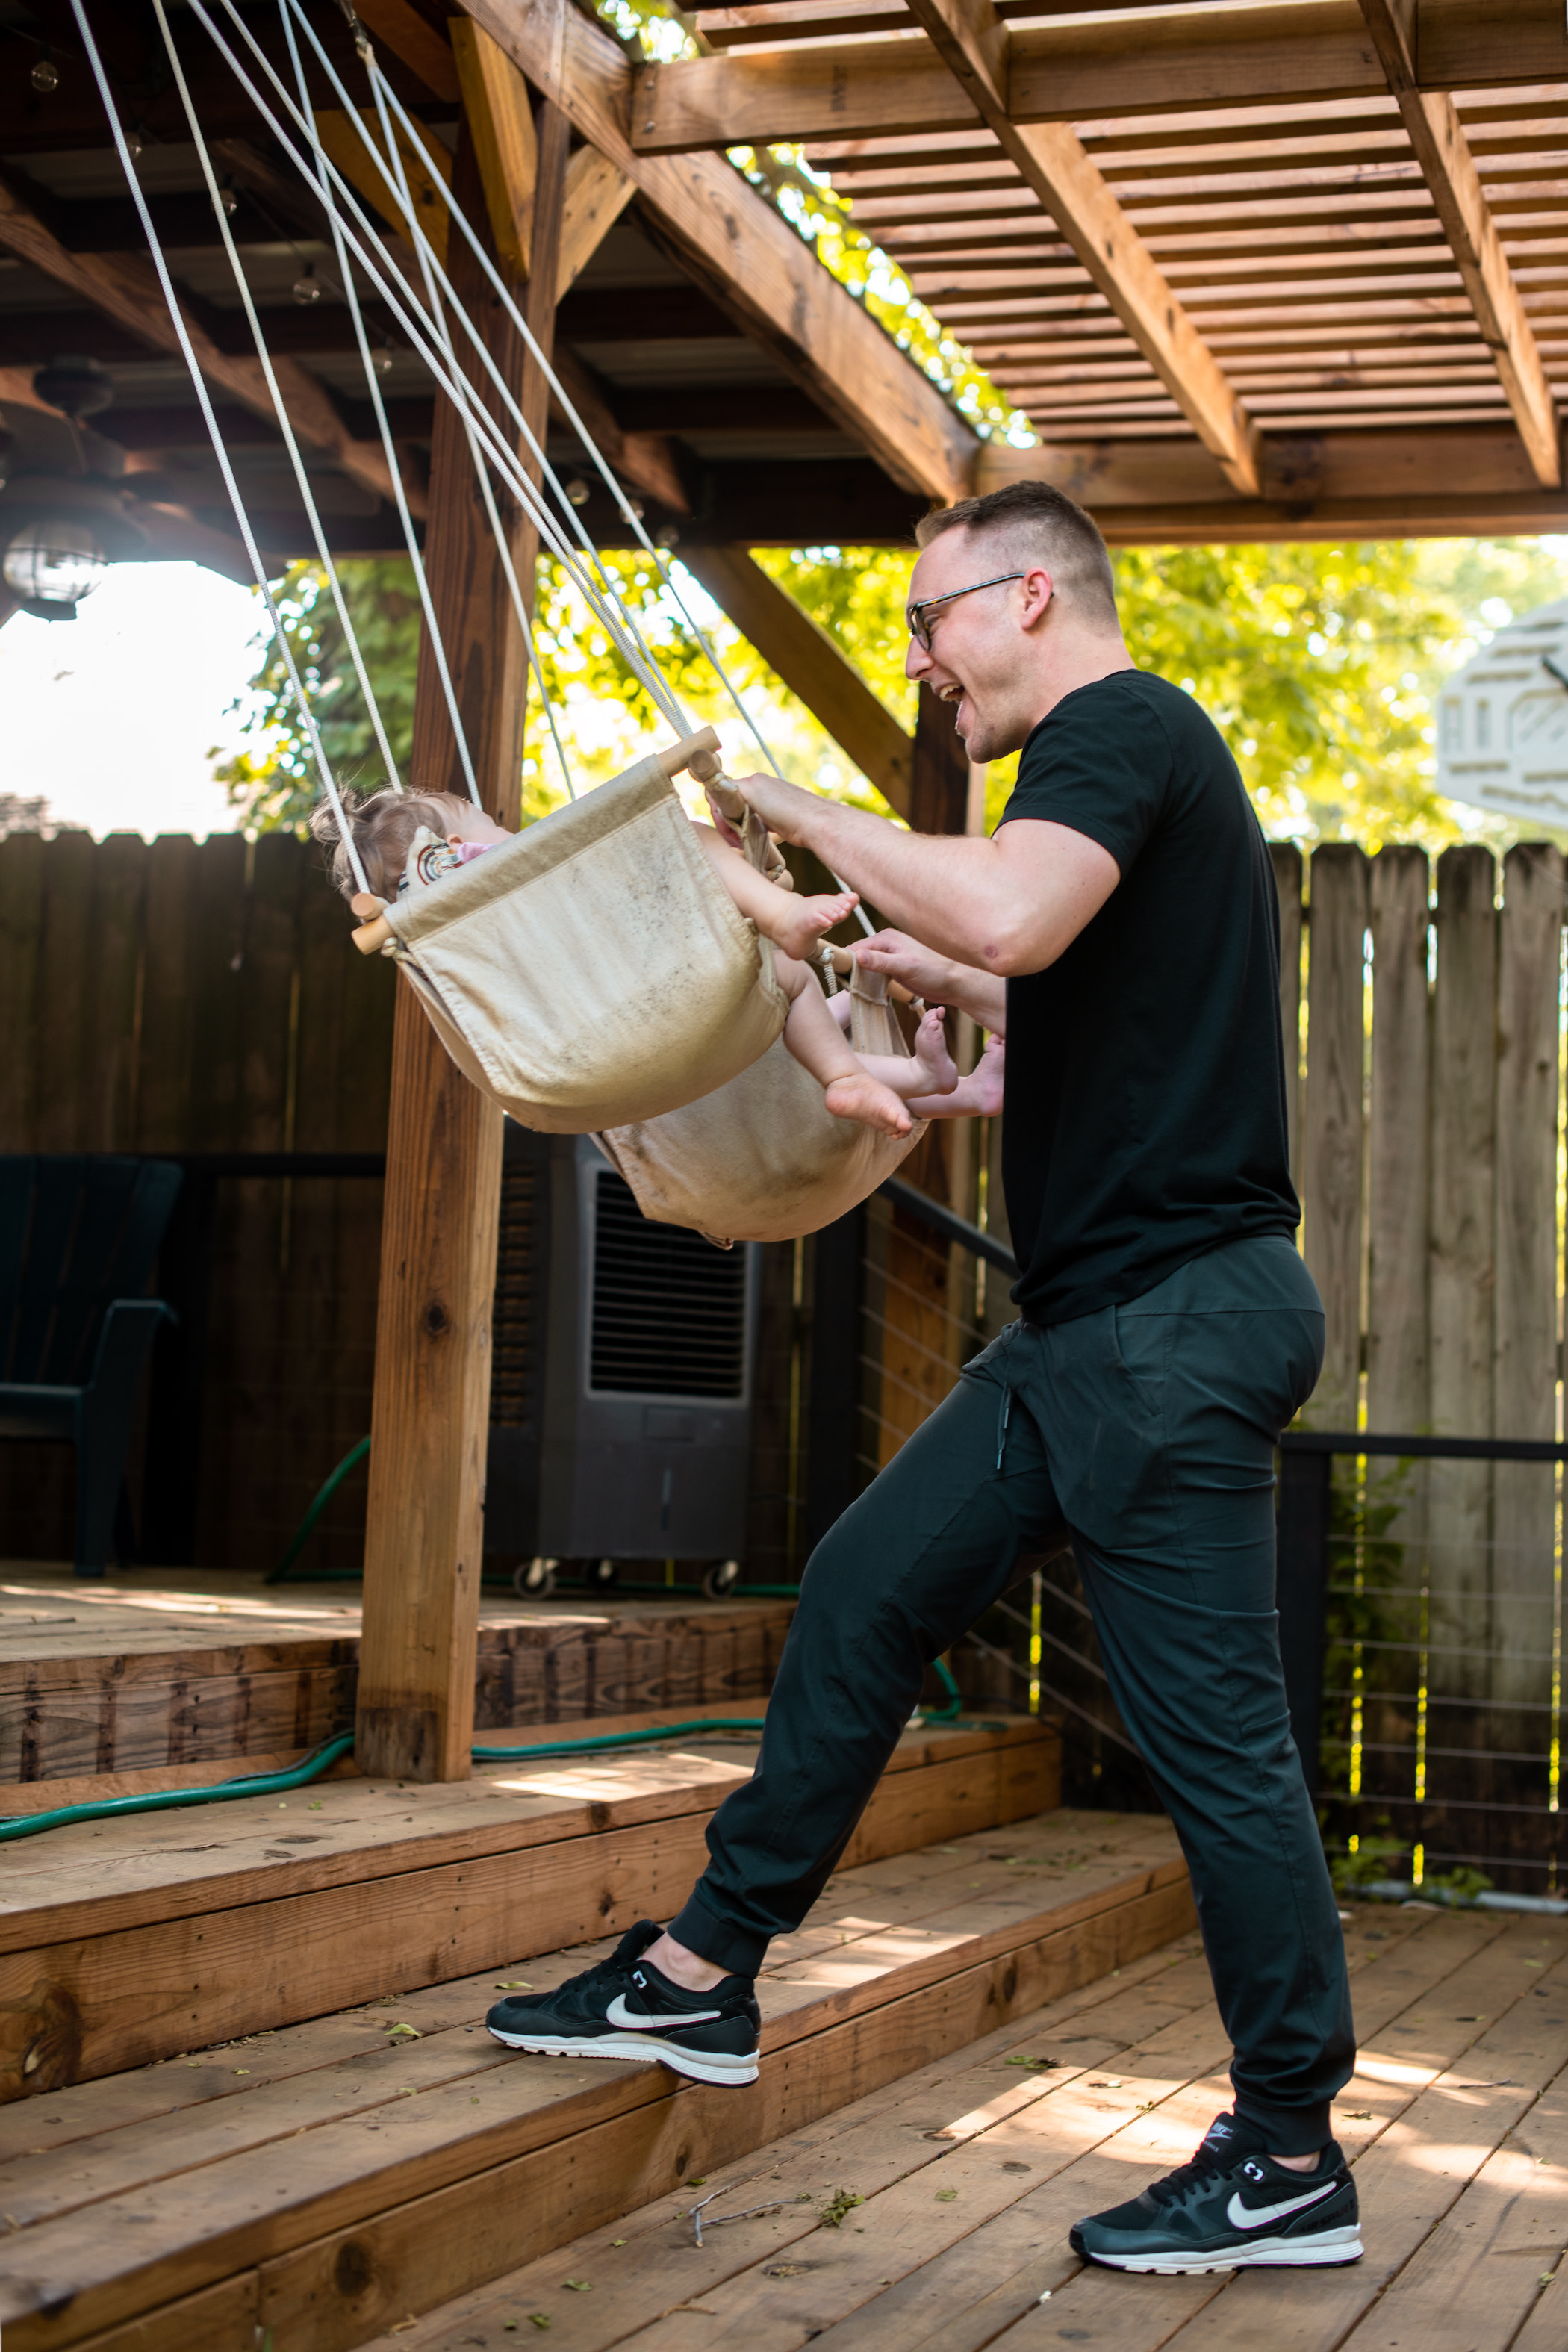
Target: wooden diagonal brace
point(1436, 132)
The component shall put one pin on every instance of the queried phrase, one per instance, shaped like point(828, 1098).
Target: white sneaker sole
point(1328, 2247)
point(638, 2048)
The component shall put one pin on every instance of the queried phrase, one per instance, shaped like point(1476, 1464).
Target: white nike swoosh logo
point(1253, 2217)
point(619, 2014)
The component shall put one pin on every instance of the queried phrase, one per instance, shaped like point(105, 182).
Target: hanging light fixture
point(307, 287)
point(45, 76)
point(51, 565)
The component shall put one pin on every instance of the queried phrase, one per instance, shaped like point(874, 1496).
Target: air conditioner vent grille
point(669, 1309)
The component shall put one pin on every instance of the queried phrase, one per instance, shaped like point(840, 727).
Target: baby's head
point(383, 826)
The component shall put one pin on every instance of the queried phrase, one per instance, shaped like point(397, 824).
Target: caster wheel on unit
point(721, 1579)
point(602, 1574)
point(535, 1579)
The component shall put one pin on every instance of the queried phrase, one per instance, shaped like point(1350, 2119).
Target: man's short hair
point(1033, 522)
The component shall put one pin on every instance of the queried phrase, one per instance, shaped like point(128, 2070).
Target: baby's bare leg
point(929, 1070)
point(979, 1096)
point(819, 1045)
point(793, 924)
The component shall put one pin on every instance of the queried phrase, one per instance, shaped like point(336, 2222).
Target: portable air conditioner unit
point(621, 1373)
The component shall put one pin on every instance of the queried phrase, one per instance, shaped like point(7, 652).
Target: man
point(1121, 928)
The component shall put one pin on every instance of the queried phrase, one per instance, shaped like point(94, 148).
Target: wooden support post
point(429, 1429)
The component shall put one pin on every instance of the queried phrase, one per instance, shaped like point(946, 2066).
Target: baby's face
point(467, 822)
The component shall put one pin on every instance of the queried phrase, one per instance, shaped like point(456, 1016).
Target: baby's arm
point(793, 924)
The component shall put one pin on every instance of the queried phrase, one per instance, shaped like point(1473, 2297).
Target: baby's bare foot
point(799, 923)
point(867, 1100)
point(937, 1068)
point(987, 1079)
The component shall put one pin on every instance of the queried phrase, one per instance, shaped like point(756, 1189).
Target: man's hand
point(936, 978)
point(899, 957)
point(783, 808)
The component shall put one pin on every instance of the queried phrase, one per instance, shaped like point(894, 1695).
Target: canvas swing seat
point(593, 973)
point(761, 1157)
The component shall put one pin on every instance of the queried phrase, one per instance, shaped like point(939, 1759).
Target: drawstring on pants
point(1008, 1376)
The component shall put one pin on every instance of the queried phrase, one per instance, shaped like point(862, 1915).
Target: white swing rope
point(414, 325)
point(383, 88)
point(385, 95)
point(614, 615)
point(405, 520)
point(481, 471)
point(301, 478)
point(204, 401)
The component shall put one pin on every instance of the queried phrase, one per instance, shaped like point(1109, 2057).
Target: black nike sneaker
point(625, 2009)
point(1232, 2208)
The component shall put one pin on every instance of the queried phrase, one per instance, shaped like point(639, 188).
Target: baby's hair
point(383, 826)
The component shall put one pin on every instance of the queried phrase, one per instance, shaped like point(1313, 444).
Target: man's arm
point(1007, 905)
point(936, 978)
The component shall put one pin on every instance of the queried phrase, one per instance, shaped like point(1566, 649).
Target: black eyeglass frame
point(914, 615)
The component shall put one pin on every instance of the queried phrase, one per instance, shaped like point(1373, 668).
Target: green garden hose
point(351, 1461)
point(320, 1760)
point(311, 1767)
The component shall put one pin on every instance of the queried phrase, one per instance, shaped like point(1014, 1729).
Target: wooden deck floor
point(309, 2183)
point(969, 2172)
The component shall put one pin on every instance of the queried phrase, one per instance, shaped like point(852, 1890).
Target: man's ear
point(1037, 588)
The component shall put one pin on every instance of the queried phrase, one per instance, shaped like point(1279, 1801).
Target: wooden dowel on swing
point(371, 938)
point(698, 752)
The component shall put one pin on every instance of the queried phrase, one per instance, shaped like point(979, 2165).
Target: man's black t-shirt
point(1144, 1114)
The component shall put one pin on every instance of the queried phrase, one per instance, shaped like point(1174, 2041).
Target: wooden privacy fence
point(199, 998)
point(1427, 1126)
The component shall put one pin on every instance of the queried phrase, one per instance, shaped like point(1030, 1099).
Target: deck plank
point(1446, 2002)
point(390, 2145)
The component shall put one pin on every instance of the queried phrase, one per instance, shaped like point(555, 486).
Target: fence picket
point(21, 924)
point(1288, 871)
point(1464, 1159)
point(1332, 1127)
point(1524, 1358)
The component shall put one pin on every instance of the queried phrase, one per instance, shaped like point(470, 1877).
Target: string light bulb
point(577, 491)
point(307, 287)
point(44, 77)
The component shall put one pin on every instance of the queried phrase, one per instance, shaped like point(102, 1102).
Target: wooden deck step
point(324, 2180)
point(154, 1674)
point(128, 1941)
point(972, 2170)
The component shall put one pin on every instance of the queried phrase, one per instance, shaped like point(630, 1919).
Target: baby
point(875, 1089)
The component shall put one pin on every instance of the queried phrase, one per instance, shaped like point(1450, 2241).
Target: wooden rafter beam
point(805, 658)
point(1095, 71)
point(746, 256)
point(974, 44)
point(125, 289)
point(1437, 135)
point(1428, 481)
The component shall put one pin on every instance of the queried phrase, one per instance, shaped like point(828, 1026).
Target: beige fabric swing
point(761, 1159)
point(594, 972)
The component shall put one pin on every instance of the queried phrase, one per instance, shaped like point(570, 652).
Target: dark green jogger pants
point(1149, 1430)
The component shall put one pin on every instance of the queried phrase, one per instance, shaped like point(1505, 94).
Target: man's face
point(978, 662)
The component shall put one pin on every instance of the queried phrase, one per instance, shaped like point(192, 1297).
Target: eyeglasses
point(919, 627)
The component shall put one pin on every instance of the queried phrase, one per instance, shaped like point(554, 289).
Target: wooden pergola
point(1286, 272)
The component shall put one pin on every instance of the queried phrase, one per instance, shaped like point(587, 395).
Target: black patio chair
point(78, 1236)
